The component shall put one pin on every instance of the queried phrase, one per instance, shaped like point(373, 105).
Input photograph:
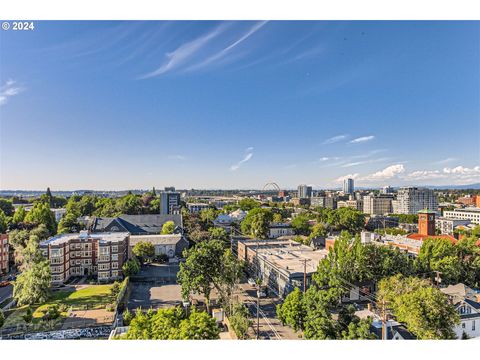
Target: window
point(473, 325)
point(115, 248)
point(114, 265)
point(463, 325)
point(114, 257)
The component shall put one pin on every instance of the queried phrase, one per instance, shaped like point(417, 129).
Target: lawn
point(91, 297)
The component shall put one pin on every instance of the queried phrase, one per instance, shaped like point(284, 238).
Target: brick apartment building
point(4, 254)
point(84, 254)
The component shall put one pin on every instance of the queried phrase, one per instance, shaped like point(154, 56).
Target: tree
point(247, 204)
point(358, 330)
point(277, 217)
point(423, 308)
point(292, 311)
point(240, 321)
point(129, 204)
point(3, 222)
point(32, 285)
point(318, 231)
point(208, 215)
point(2, 318)
point(168, 227)
point(7, 207)
point(68, 224)
point(440, 255)
point(115, 291)
point(257, 222)
point(127, 317)
point(131, 267)
point(41, 214)
point(172, 324)
point(218, 233)
point(201, 268)
point(144, 250)
point(350, 219)
point(19, 215)
point(28, 316)
point(301, 224)
point(198, 326)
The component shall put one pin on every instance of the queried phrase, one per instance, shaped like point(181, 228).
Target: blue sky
point(119, 105)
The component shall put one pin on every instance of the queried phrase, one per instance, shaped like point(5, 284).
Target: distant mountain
point(475, 186)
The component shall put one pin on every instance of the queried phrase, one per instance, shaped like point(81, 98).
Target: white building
point(280, 229)
point(195, 208)
point(466, 303)
point(471, 213)
point(411, 200)
point(447, 225)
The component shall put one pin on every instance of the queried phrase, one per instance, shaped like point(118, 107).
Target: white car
point(252, 282)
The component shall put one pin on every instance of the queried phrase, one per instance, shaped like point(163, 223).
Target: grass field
point(91, 297)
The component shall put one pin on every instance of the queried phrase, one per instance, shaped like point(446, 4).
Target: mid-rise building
point(195, 208)
point(304, 191)
point(387, 190)
point(448, 225)
point(348, 187)
point(169, 202)
point(4, 254)
point(83, 254)
point(410, 200)
point(472, 214)
point(377, 204)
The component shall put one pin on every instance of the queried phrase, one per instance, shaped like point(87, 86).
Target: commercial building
point(276, 230)
point(468, 200)
point(348, 187)
point(471, 213)
point(448, 225)
point(377, 204)
point(410, 200)
point(304, 191)
point(4, 254)
point(169, 201)
point(82, 254)
point(387, 190)
point(170, 245)
point(135, 224)
point(282, 265)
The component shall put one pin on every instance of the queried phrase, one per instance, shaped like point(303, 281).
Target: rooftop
point(101, 237)
point(156, 239)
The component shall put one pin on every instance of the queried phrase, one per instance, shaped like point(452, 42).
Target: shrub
point(127, 317)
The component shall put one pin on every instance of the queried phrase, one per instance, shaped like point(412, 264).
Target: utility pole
point(305, 274)
point(258, 311)
point(384, 321)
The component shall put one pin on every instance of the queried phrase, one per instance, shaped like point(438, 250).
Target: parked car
point(4, 283)
point(252, 282)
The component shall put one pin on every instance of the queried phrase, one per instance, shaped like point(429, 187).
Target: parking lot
point(155, 287)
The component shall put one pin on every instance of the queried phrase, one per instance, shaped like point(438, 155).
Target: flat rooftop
point(468, 209)
point(65, 238)
point(287, 255)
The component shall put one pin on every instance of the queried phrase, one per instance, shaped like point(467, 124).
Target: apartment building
point(84, 254)
point(448, 225)
point(276, 230)
point(377, 204)
point(410, 200)
point(4, 254)
point(471, 213)
point(195, 208)
point(169, 201)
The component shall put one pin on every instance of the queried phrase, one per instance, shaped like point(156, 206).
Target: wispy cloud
point(247, 157)
point(362, 139)
point(176, 157)
point(184, 52)
point(9, 89)
point(445, 161)
point(222, 53)
point(335, 139)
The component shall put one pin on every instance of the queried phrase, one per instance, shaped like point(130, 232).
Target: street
point(270, 327)
point(6, 292)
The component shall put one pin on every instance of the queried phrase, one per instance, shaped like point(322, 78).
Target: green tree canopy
point(41, 214)
point(168, 227)
point(144, 250)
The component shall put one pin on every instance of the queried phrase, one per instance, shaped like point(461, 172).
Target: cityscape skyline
point(234, 105)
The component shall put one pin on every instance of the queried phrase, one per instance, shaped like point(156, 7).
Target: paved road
point(270, 327)
point(6, 292)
